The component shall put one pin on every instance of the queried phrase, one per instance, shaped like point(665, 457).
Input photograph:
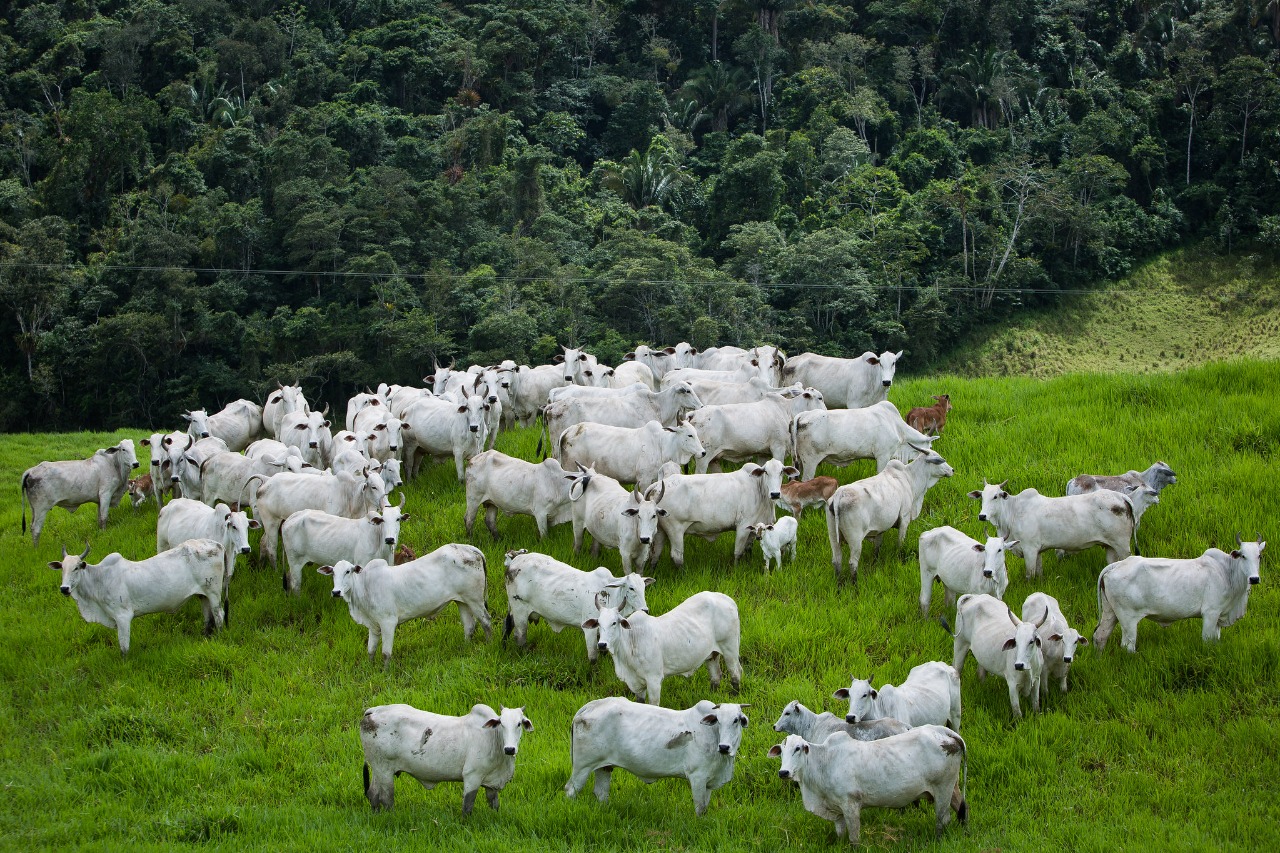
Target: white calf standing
point(776, 537)
point(1060, 639)
point(478, 750)
point(382, 597)
point(930, 695)
point(962, 564)
point(1003, 644)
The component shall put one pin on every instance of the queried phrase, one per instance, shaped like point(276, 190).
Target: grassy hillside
point(250, 739)
point(1183, 309)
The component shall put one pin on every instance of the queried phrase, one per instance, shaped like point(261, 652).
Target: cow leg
point(374, 637)
point(469, 800)
point(701, 793)
point(926, 590)
point(1129, 630)
point(577, 534)
point(1209, 629)
point(1013, 698)
point(734, 664)
point(677, 548)
point(468, 620)
point(595, 550)
point(388, 631)
point(294, 581)
point(959, 651)
point(853, 821)
point(604, 776)
point(741, 541)
point(475, 614)
point(539, 518)
point(713, 670)
point(941, 810)
point(469, 517)
point(122, 631)
point(104, 507)
point(1035, 693)
point(592, 637)
point(1106, 624)
point(380, 787)
point(491, 794)
point(1032, 559)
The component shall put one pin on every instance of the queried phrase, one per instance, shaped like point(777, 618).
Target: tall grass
point(250, 739)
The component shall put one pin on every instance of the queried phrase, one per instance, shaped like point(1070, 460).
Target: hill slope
point(1182, 309)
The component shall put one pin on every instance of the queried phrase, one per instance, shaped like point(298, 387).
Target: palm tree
point(721, 90)
point(982, 81)
point(645, 177)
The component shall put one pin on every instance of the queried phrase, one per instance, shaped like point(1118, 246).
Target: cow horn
point(85, 552)
point(596, 601)
point(1238, 542)
point(191, 439)
point(401, 505)
point(636, 497)
point(1044, 617)
point(64, 552)
point(581, 469)
point(1013, 619)
point(326, 410)
point(1001, 484)
point(662, 490)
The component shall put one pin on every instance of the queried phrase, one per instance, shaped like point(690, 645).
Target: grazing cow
point(775, 538)
point(1213, 586)
point(1002, 643)
point(1072, 523)
point(801, 494)
point(309, 432)
point(382, 597)
point(438, 429)
point(614, 517)
point(540, 587)
point(1156, 477)
point(101, 479)
point(841, 776)
point(497, 481)
point(876, 432)
point(871, 507)
point(141, 489)
point(851, 383)
point(315, 536)
point(931, 419)
point(798, 720)
point(962, 564)
point(276, 499)
point(698, 744)
point(239, 424)
point(478, 750)
point(739, 432)
point(646, 649)
point(633, 409)
point(161, 483)
point(929, 696)
point(628, 455)
point(184, 519)
point(381, 432)
point(710, 504)
point(630, 373)
point(114, 591)
point(285, 400)
point(1059, 638)
point(224, 477)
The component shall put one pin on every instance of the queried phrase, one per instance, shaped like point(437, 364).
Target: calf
point(698, 744)
point(614, 517)
point(1002, 643)
point(141, 489)
point(931, 419)
point(930, 695)
point(101, 479)
point(1213, 586)
point(1156, 477)
point(892, 498)
point(497, 481)
point(840, 776)
point(478, 750)
point(801, 494)
point(539, 587)
point(796, 719)
point(404, 554)
point(629, 455)
point(962, 564)
point(314, 536)
point(646, 649)
point(775, 537)
point(1060, 639)
point(382, 597)
point(116, 590)
point(184, 519)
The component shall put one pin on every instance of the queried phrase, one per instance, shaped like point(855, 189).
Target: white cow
point(657, 361)
point(590, 392)
point(580, 367)
point(775, 538)
point(309, 432)
point(627, 410)
point(963, 564)
point(698, 744)
point(315, 536)
point(114, 591)
point(360, 402)
point(497, 481)
point(629, 373)
point(614, 517)
point(710, 504)
point(696, 374)
point(101, 479)
point(1156, 477)
point(871, 507)
point(628, 455)
point(281, 496)
point(185, 461)
point(851, 383)
point(531, 388)
point(224, 477)
point(161, 483)
point(439, 429)
point(1213, 586)
point(478, 750)
point(739, 432)
point(839, 437)
point(185, 519)
point(1059, 638)
point(1072, 523)
point(238, 424)
point(930, 695)
point(646, 649)
point(713, 393)
point(381, 432)
point(540, 587)
point(1002, 643)
point(766, 361)
point(285, 400)
point(796, 719)
point(382, 596)
point(841, 776)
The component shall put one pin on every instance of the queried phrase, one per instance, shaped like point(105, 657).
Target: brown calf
point(404, 554)
point(797, 495)
point(140, 489)
point(930, 419)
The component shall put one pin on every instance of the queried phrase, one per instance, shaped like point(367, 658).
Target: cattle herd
point(322, 498)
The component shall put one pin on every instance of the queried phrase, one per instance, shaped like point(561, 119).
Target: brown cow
point(141, 489)
point(930, 419)
point(404, 554)
point(797, 495)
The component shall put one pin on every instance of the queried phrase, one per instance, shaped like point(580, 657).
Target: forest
point(200, 198)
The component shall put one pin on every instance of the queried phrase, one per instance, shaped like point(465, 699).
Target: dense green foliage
point(199, 197)
point(249, 740)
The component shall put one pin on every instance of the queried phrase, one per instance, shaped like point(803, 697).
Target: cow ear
point(56, 566)
point(976, 494)
point(791, 471)
point(842, 693)
point(146, 442)
point(591, 624)
point(631, 511)
point(355, 570)
point(649, 581)
point(326, 570)
point(775, 751)
point(1235, 555)
point(254, 524)
point(871, 359)
point(978, 546)
point(710, 720)
point(1009, 644)
point(629, 357)
point(758, 472)
point(1083, 641)
point(377, 519)
point(492, 723)
point(805, 749)
point(527, 723)
point(559, 358)
point(462, 409)
point(1011, 543)
point(875, 694)
point(662, 512)
point(625, 624)
point(113, 450)
point(1004, 494)
point(1057, 638)
point(405, 517)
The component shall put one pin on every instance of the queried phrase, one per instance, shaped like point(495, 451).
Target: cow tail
point(963, 812)
point(508, 625)
point(26, 480)
point(366, 778)
point(542, 434)
point(794, 429)
point(1102, 593)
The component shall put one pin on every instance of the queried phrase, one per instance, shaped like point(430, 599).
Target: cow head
point(390, 519)
point(1160, 475)
point(727, 721)
point(71, 566)
point(626, 594)
point(608, 623)
point(862, 700)
point(576, 369)
point(439, 380)
point(1025, 643)
point(1251, 555)
point(392, 476)
point(684, 396)
point(474, 408)
point(645, 512)
point(993, 497)
point(511, 724)
point(887, 362)
point(769, 476)
point(681, 354)
point(125, 454)
point(758, 530)
point(1070, 640)
point(155, 443)
point(197, 423)
point(994, 571)
point(343, 573)
point(793, 751)
point(236, 526)
point(1142, 498)
point(176, 445)
point(792, 717)
point(685, 442)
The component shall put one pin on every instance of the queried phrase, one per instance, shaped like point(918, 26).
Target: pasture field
point(249, 740)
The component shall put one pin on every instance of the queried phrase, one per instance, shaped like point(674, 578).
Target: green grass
point(1178, 311)
point(250, 739)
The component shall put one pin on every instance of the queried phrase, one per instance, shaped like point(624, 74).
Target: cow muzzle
point(65, 590)
point(644, 540)
point(1019, 666)
point(604, 647)
point(982, 516)
point(389, 540)
point(1066, 659)
point(337, 593)
point(887, 382)
point(135, 465)
point(724, 749)
point(246, 550)
point(784, 774)
point(850, 719)
point(775, 495)
point(204, 435)
point(1255, 580)
point(475, 429)
point(509, 750)
point(987, 573)
point(174, 478)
